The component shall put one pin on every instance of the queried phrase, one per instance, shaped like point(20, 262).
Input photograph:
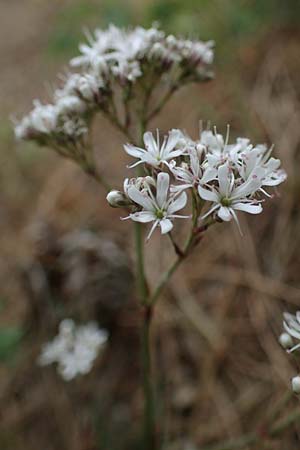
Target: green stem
point(140, 266)
point(192, 240)
point(149, 406)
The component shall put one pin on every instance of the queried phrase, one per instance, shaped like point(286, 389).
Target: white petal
point(224, 214)
point(150, 143)
point(165, 225)
point(140, 198)
point(209, 174)
point(291, 331)
point(143, 216)
point(134, 151)
point(248, 207)
point(173, 138)
point(207, 195)
point(173, 154)
point(162, 189)
point(224, 181)
point(178, 204)
point(253, 183)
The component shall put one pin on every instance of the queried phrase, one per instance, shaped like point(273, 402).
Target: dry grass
point(218, 364)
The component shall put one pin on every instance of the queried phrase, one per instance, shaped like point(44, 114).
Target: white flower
point(71, 104)
point(286, 341)
point(251, 158)
point(291, 324)
point(160, 209)
point(127, 70)
point(73, 127)
point(227, 197)
point(22, 128)
point(296, 384)
point(155, 154)
point(192, 173)
point(117, 199)
point(41, 120)
point(197, 51)
point(86, 85)
point(74, 349)
point(212, 141)
point(141, 183)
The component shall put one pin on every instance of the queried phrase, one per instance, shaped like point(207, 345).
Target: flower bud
point(117, 199)
point(285, 340)
point(296, 384)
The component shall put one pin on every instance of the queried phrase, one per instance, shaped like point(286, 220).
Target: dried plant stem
point(256, 437)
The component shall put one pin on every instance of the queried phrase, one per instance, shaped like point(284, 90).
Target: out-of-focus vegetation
point(215, 329)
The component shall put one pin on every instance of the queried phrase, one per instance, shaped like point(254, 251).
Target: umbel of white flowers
point(74, 349)
point(113, 62)
point(226, 177)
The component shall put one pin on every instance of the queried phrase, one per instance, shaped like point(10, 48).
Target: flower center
point(160, 213)
point(225, 201)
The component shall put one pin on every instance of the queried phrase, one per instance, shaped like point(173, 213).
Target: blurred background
point(221, 370)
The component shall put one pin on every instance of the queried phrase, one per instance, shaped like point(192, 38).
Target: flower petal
point(177, 204)
point(253, 183)
point(209, 174)
point(248, 207)
point(172, 140)
point(224, 181)
point(150, 143)
point(142, 216)
point(225, 214)
point(139, 198)
point(207, 195)
point(132, 150)
point(165, 225)
point(162, 188)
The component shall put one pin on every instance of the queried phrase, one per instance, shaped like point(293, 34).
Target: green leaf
point(10, 338)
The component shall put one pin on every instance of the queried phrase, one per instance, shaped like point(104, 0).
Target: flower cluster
point(229, 177)
point(113, 62)
point(126, 55)
point(74, 349)
point(290, 341)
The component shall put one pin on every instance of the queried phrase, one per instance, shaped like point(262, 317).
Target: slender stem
point(149, 406)
point(164, 279)
point(193, 239)
point(140, 264)
point(99, 178)
point(176, 247)
point(163, 101)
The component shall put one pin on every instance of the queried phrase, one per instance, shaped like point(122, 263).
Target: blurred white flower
point(74, 349)
point(296, 384)
point(42, 119)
